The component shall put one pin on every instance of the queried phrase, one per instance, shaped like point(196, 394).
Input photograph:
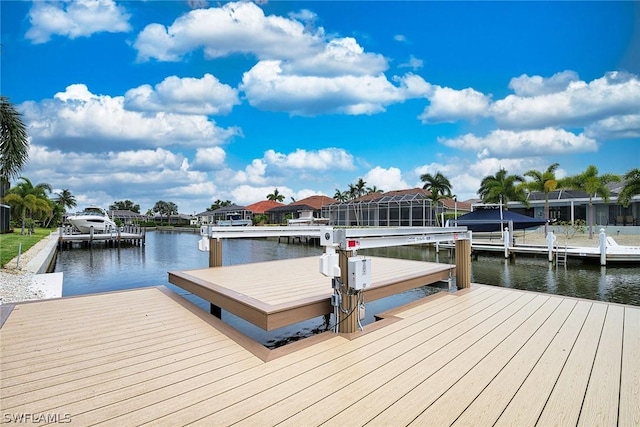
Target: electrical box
point(330, 265)
point(359, 271)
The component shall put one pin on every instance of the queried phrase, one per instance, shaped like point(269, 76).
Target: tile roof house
point(313, 203)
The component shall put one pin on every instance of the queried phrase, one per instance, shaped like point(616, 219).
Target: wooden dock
point(132, 235)
point(274, 294)
point(482, 356)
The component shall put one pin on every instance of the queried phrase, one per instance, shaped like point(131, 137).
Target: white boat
point(92, 216)
point(234, 219)
point(307, 218)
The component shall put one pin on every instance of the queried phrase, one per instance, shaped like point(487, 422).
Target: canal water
point(103, 269)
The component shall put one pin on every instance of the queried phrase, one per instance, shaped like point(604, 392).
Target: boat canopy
point(488, 220)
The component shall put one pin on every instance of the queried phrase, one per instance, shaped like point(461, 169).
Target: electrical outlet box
point(359, 271)
point(330, 265)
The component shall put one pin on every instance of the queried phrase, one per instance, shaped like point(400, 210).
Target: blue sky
point(193, 101)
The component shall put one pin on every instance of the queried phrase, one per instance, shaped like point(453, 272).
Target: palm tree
point(276, 196)
point(374, 189)
point(14, 144)
point(341, 196)
point(631, 187)
point(436, 198)
point(437, 182)
point(545, 182)
point(501, 187)
point(66, 199)
point(29, 198)
point(360, 187)
point(593, 184)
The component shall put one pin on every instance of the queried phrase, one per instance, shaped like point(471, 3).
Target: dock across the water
point(128, 234)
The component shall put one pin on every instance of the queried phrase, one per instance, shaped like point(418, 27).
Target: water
point(103, 269)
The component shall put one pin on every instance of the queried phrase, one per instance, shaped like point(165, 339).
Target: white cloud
point(627, 126)
point(233, 28)
point(413, 63)
point(143, 176)
point(203, 96)
point(80, 18)
point(511, 144)
point(209, 158)
point(527, 86)
point(324, 159)
point(448, 105)
point(247, 194)
point(253, 173)
point(267, 87)
point(83, 119)
point(341, 56)
point(579, 104)
point(386, 179)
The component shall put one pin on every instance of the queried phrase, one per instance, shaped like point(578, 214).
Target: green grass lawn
point(10, 243)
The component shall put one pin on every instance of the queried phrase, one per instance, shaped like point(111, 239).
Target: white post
point(506, 239)
point(603, 247)
point(551, 238)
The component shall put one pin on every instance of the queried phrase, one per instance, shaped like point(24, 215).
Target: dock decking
point(482, 356)
point(274, 294)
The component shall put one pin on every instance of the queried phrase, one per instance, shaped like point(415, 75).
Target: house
point(409, 207)
point(262, 208)
point(314, 204)
point(570, 205)
point(126, 217)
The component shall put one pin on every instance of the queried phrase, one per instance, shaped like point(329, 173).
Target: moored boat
point(92, 216)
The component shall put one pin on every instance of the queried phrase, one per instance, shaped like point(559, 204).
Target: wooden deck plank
point(363, 346)
point(151, 403)
point(108, 375)
point(330, 393)
point(565, 400)
point(530, 375)
point(630, 376)
point(380, 357)
point(426, 362)
point(600, 406)
point(413, 400)
point(378, 390)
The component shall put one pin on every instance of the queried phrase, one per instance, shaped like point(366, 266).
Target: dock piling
point(463, 263)
point(215, 260)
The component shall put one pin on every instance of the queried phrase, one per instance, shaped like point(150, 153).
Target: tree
point(66, 199)
point(161, 208)
point(631, 187)
point(360, 187)
point(341, 196)
point(126, 205)
point(29, 199)
point(374, 189)
point(501, 187)
point(218, 204)
point(594, 185)
point(14, 144)
point(545, 182)
point(276, 196)
point(436, 198)
point(437, 182)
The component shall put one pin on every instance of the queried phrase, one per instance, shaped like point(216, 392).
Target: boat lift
point(350, 273)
